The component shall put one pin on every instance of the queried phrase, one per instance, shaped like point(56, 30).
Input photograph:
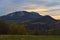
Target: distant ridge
point(24, 16)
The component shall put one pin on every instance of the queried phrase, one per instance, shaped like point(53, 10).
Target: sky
point(44, 7)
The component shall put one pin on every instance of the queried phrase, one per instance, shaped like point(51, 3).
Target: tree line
point(15, 29)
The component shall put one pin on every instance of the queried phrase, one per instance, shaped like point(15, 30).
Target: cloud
point(54, 10)
point(7, 6)
point(45, 7)
point(39, 10)
point(56, 17)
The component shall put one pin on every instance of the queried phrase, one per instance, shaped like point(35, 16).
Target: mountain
point(26, 17)
point(46, 18)
point(21, 16)
point(34, 22)
point(44, 21)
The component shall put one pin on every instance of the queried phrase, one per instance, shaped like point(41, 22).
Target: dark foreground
point(28, 37)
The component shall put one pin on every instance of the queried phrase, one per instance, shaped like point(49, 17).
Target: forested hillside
point(21, 24)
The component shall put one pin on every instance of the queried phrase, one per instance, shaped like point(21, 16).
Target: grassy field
point(28, 37)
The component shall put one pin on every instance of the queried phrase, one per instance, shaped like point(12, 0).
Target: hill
point(33, 22)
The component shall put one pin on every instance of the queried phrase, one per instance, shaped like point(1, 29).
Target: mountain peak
point(21, 15)
point(47, 16)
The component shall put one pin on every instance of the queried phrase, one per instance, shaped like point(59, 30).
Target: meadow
point(29, 37)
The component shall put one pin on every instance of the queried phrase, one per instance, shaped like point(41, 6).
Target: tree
point(3, 27)
point(16, 29)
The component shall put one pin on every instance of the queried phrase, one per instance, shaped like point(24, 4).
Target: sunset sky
point(44, 7)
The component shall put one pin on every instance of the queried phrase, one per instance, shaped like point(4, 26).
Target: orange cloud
point(56, 17)
point(39, 10)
